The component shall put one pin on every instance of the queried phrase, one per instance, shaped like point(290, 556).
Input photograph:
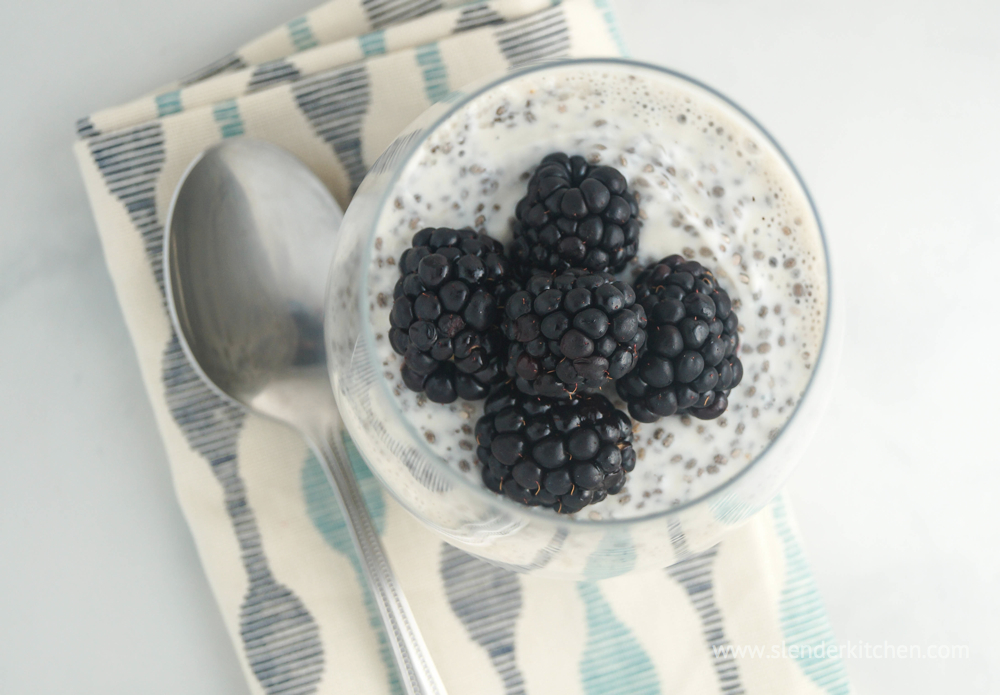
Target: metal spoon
point(249, 239)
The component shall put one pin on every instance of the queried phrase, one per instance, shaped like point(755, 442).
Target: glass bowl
point(460, 509)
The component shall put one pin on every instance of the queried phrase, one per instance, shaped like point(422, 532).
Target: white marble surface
point(890, 110)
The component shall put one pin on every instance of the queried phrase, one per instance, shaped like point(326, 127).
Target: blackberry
point(575, 216)
point(445, 313)
point(689, 364)
point(571, 332)
point(563, 454)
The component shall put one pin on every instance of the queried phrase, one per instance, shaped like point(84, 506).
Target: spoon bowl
point(251, 232)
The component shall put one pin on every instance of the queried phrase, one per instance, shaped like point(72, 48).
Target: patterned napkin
point(334, 87)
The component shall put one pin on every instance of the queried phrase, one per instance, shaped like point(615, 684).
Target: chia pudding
point(709, 187)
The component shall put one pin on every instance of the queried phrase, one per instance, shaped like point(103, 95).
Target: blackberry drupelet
point(563, 454)
point(689, 363)
point(445, 313)
point(572, 332)
point(575, 216)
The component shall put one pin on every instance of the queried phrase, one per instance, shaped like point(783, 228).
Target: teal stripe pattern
point(731, 510)
point(804, 622)
point(614, 555)
point(301, 34)
point(227, 115)
point(168, 103)
point(434, 71)
point(611, 19)
point(325, 514)
point(372, 44)
point(613, 661)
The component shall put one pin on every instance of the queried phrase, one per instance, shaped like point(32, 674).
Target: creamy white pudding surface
point(710, 186)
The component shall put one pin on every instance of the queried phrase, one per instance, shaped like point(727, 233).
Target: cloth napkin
point(334, 87)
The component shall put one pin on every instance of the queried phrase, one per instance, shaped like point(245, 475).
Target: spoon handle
point(417, 673)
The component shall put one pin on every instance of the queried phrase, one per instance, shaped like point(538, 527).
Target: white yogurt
point(710, 187)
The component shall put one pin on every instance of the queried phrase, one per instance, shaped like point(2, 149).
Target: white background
point(890, 109)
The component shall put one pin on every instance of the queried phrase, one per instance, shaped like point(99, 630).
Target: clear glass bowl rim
point(446, 469)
